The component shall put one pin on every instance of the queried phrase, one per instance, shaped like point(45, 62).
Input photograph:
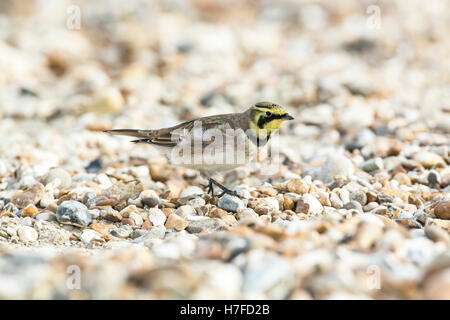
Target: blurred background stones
point(359, 205)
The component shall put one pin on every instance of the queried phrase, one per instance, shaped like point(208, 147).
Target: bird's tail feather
point(130, 132)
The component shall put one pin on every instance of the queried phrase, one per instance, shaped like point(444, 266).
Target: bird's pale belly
point(213, 160)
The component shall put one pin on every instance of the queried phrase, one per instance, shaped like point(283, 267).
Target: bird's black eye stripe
point(266, 119)
point(268, 113)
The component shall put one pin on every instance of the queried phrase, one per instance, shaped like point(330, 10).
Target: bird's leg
point(224, 189)
point(208, 187)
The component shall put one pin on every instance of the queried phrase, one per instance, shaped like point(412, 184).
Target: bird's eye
point(268, 113)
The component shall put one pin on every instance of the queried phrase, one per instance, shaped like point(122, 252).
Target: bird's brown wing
point(169, 137)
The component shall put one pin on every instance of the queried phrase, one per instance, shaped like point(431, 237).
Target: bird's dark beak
point(287, 116)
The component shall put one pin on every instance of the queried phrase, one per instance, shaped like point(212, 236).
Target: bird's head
point(267, 117)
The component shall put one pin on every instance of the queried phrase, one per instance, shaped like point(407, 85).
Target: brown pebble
point(371, 196)
point(268, 191)
point(297, 186)
point(302, 207)
point(112, 215)
point(30, 211)
point(229, 219)
point(146, 225)
point(167, 211)
point(176, 222)
point(219, 213)
point(175, 186)
point(402, 178)
point(102, 228)
point(106, 202)
point(68, 196)
point(324, 199)
point(442, 210)
point(7, 214)
point(386, 221)
point(408, 223)
point(120, 205)
point(159, 171)
point(30, 196)
point(288, 203)
point(128, 221)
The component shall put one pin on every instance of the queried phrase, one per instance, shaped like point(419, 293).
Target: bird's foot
point(210, 189)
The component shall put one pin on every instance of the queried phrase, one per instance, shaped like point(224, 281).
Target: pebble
point(309, 205)
point(128, 221)
point(335, 165)
point(101, 228)
point(128, 210)
point(197, 202)
point(344, 194)
point(58, 178)
point(150, 201)
point(30, 196)
point(429, 159)
point(372, 165)
point(156, 217)
point(88, 235)
point(156, 232)
point(176, 222)
point(109, 100)
point(73, 213)
point(112, 215)
point(191, 191)
point(271, 205)
point(138, 221)
point(370, 206)
point(359, 196)
point(27, 234)
point(186, 212)
point(30, 211)
point(402, 178)
point(246, 214)
point(353, 205)
point(46, 216)
point(433, 178)
point(147, 225)
point(297, 186)
point(205, 224)
point(336, 201)
point(230, 203)
point(121, 233)
point(442, 210)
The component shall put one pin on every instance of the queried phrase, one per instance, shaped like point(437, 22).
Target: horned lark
point(215, 144)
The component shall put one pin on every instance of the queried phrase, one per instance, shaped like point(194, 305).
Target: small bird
point(215, 144)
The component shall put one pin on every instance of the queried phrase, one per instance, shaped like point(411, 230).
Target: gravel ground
point(359, 207)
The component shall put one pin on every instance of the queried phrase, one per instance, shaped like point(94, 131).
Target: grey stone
point(156, 232)
point(74, 213)
point(353, 205)
point(208, 224)
point(230, 203)
point(372, 165)
point(359, 196)
point(120, 233)
point(150, 201)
